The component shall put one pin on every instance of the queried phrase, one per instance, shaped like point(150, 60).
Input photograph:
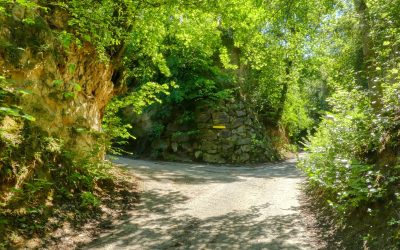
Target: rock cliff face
point(69, 88)
point(227, 132)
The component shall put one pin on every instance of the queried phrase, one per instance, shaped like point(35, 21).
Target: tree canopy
point(324, 73)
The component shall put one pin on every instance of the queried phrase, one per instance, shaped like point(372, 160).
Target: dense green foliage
point(353, 156)
point(228, 49)
point(328, 68)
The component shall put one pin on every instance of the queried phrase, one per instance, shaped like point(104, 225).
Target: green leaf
point(71, 68)
point(65, 39)
point(87, 37)
point(24, 92)
point(28, 21)
point(69, 95)
point(57, 83)
point(29, 117)
point(77, 87)
point(9, 111)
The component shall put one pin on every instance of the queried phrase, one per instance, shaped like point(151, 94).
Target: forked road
point(194, 206)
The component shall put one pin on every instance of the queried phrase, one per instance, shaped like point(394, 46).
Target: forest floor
point(199, 206)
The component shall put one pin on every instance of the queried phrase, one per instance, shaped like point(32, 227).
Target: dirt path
point(193, 206)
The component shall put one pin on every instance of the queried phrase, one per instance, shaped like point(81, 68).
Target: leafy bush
point(346, 156)
point(89, 200)
point(8, 100)
point(296, 118)
point(116, 129)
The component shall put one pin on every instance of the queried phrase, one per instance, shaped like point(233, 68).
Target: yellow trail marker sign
point(219, 126)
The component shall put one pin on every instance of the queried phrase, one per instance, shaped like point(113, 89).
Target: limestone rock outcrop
point(69, 87)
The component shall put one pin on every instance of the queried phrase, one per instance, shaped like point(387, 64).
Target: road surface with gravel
point(200, 206)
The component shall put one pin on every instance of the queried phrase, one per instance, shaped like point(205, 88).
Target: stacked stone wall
point(227, 132)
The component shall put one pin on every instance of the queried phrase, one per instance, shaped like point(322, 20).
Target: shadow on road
point(158, 223)
point(155, 228)
point(203, 173)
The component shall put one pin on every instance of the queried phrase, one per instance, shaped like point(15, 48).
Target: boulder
point(220, 118)
point(181, 138)
point(245, 148)
point(212, 151)
point(203, 125)
point(227, 146)
point(243, 141)
point(249, 122)
point(198, 154)
point(209, 146)
point(241, 113)
point(174, 147)
point(237, 123)
point(240, 130)
point(213, 158)
point(160, 144)
point(245, 157)
point(225, 134)
point(209, 135)
point(187, 147)
point(203, 118)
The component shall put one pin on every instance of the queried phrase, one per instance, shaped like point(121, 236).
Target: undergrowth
point(44, 189)
point(44, 181)
point(352, 160)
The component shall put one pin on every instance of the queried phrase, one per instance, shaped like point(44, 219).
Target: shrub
point(346, 158)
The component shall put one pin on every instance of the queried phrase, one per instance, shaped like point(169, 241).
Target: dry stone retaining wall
point(225, 133)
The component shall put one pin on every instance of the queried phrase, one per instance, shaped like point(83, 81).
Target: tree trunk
point(284, 91)
point(368, 57)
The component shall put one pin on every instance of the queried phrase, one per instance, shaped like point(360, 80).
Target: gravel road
point(194, 206)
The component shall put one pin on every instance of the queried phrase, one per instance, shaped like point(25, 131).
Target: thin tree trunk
point(284, 91)
point(368, 57)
